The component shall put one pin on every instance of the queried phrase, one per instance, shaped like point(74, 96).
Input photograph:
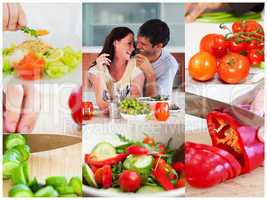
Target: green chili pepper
point(76, 184)
point(11, 160)
point(56, 181)
point(18, 176)
point(24, 151)
point(65, 189)
point(13, 140)
point(47, 191)
point(20, 190)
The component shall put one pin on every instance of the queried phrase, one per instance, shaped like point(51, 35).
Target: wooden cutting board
point(251, 184)
point(65, 161)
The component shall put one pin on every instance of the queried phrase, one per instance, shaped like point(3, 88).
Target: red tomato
point(214, 44)
point(129, 181)
point(137, 150)
point(233, 68)
point(207, 42)
point(202, 66)
point(247, 26)
point(30, 67)
point(237, 27)
point(103, 176)
point(75, 104)
point(237, 47)
point(162, 111)
point(256, 56)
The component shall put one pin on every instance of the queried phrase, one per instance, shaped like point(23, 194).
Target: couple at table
point(146, 67)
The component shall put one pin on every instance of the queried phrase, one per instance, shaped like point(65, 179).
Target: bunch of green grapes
point(134, 107)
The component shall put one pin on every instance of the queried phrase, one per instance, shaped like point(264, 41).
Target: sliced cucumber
point(56, 181)
point(18, 176)
point(11, 160)
point(140, 164)
point(20, 190)
point(88, 175)
point(24, 151)
point(150, 189)
point(103, 150)
point(76, 184)
point(47, 191)
point(13, 140)
point(65, 189)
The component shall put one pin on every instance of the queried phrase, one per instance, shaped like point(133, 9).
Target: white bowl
point(95, 133)
point(133, 117)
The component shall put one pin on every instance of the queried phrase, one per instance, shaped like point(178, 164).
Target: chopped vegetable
point(56, 181)
point(20, 190)
point(13, 140)
point(88, 175)
point(132, 106)
point(47, 191)
point(76, 184)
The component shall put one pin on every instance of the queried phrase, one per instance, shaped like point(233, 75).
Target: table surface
point(251, 184)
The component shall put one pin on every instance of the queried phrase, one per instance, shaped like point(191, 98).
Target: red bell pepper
point(137, 150)
point(207, 165)
point(90, 160)
point(241, 141)
point(163, 173)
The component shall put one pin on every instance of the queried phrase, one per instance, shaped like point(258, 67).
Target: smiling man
point(158, 65)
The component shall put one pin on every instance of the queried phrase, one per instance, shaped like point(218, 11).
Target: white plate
point(95, 133)
point(133, 117)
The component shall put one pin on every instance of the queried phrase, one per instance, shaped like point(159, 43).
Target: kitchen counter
point(251, 184)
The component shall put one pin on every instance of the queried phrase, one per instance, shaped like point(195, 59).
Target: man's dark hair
point(156, 31)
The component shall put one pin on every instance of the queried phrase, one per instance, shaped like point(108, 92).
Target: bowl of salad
point(134, 110)
point(133, 164)
point(152, 101)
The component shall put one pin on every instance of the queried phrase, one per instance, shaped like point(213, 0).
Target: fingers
point(187, 8)
point(13, 16)
point(103, 60)
point(5, 16)
point(22, 22)
point(31, 108)
point(195, 12)
point(13, 103)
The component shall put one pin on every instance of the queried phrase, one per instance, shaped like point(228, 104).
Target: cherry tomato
point(202, 66)
point(103, 176)
point(247, 26)
point(256, 56)
point(30, 67)
point(137, 150)
point(129, 181)
point(75, 105)
point(237, 27)
point(237, 47)
point(162, 111)
point(214, 44)
point(207, 42)
point(233, 68)
point(149, 140)
point(180, 183)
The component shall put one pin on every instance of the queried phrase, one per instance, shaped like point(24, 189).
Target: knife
point(46, 142)
point(200, 106)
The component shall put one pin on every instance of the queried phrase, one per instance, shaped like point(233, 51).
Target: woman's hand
point(14, 17)
point(102, 60)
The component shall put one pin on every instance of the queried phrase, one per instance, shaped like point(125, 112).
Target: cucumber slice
point(11, 160)
point(20, 190)
point(140, 164)
point(88, 175)
point(103, 150)
point(65, 189)
point(76, 184)
point(24, 151)
point(13, 140)
point(47, 191)
point(150, 189)
point(56, 181)
point(18, 176)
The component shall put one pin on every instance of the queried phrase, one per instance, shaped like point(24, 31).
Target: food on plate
point(32, 59)
point(233, 68)
point(133, 106)
point(202, 66)
point(162, 111)
point(16, 168)
point(134, 166)
point(235, 150)
point(235, 52)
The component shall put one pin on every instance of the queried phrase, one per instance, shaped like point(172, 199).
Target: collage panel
point(42, 75)
point(133, 84)
point(224, 102)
